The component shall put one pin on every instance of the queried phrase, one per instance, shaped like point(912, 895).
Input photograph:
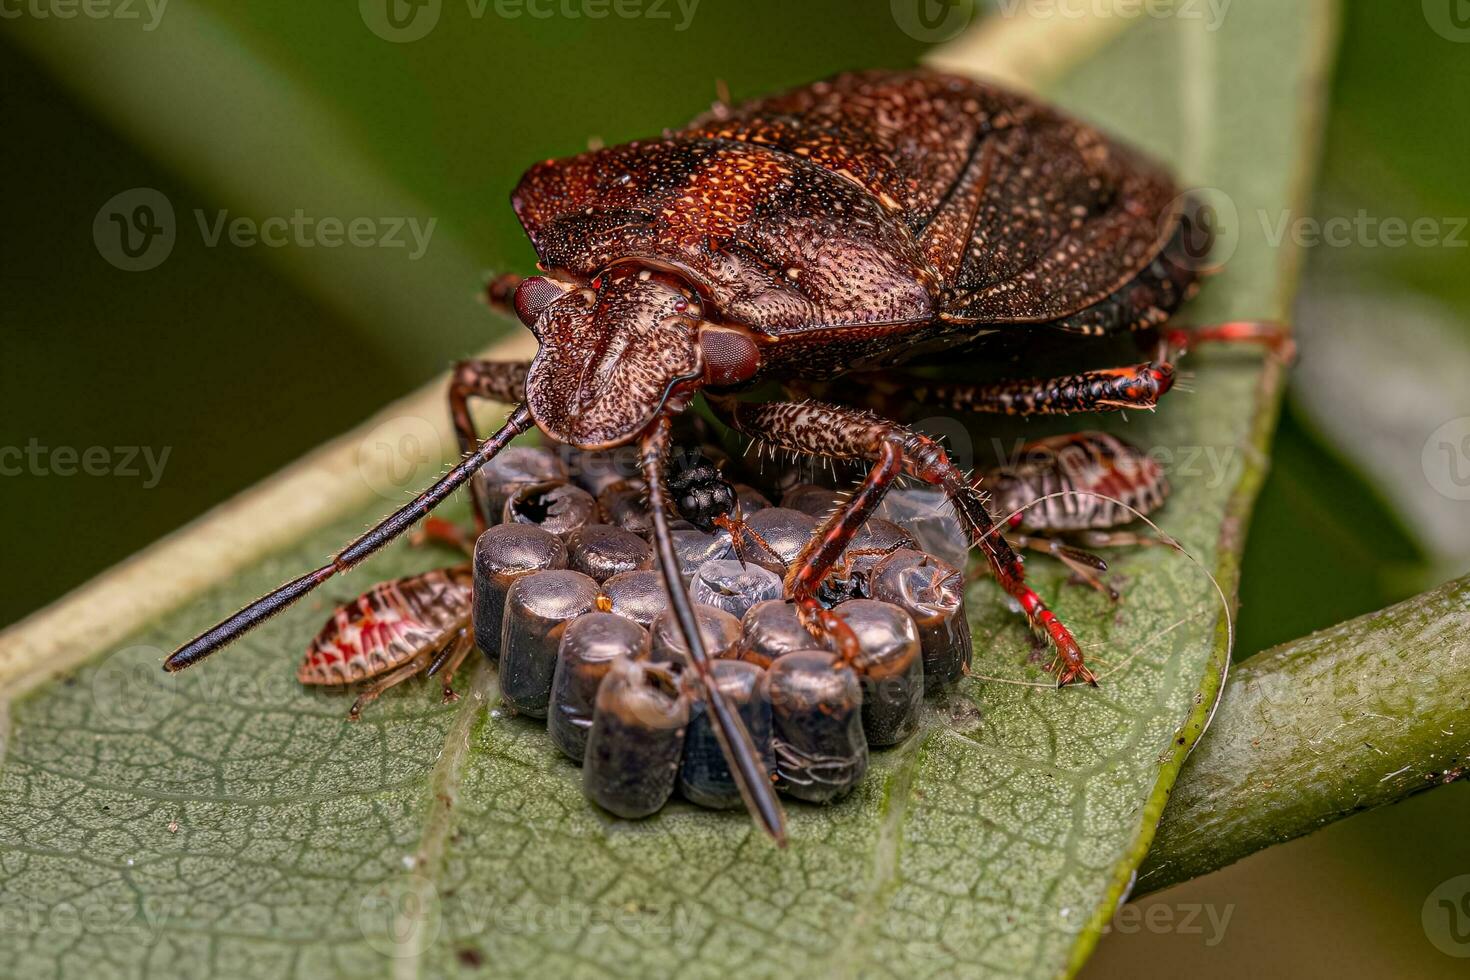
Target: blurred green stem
point(1356, 716)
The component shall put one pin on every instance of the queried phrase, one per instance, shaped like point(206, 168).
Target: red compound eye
point(730, 356)
point(534, 295)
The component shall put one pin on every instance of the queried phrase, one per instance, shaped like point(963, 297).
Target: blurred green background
point(235, 360)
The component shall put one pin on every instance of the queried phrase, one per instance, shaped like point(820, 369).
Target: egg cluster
point(569, 601)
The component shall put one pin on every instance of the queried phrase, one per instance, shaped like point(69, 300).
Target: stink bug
point(849, 225)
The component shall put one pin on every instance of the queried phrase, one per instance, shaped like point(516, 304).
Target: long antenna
point(242, 622)
point(736, 744)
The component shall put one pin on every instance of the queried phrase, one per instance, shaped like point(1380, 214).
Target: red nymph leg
point(844, 433)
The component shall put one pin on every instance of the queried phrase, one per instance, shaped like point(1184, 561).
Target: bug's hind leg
point(844, 433)
point(1174, 342)
point(502, 381)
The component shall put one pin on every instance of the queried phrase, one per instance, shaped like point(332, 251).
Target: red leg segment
point(1275, 337)
point(830, 430)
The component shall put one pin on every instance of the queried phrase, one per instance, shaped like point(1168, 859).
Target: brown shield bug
point(845, 226)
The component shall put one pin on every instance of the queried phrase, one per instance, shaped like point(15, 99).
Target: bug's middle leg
point(821, 429)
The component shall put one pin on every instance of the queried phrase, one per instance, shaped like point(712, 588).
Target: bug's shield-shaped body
point(847, 224)
point(387, 626)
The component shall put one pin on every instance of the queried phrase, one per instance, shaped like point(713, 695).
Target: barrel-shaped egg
point(503, 554)
point(636, 741)
point(817, 736)
point(704, 775)
point(589, 645)
point(538, 609)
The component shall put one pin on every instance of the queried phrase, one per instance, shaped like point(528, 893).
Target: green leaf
point(228, 820)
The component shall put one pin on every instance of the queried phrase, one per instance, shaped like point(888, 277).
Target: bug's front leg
point(501, 381)
point(829, 430)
